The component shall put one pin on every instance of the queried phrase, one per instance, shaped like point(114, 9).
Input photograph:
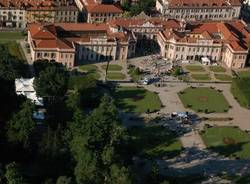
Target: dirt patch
point(228, 140)
point(203, 98)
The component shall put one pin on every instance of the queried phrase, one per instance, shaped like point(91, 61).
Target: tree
point(13, 175)
point(64, 180)
point(52, 82)
point(41, 65)
point(94, 141)
point(119, 175)
point(21, 125)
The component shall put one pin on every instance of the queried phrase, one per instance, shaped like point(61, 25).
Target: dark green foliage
point(142, 6)
point(52, 82)
point(41, 65)
point(241, 90)
point(10, 66)
point(10, 101)
point(13, 175)
point(64, 180)
point(21, 125)
point(93, 144)
point(176, 71)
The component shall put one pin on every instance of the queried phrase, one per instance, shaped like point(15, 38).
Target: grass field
point(244, 74)
point(154, 142)
point(115, 76)
point(137, 100)
point(204, 100)
point(228, 141)
point(90, 70)
point(201, 77)
point(112, 67)
point(13, 48)
point(195, 68)
point(11, 35)
point(223, 77)
point(217, 69)
point(240, 89)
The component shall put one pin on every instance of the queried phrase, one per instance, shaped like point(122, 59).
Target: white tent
point(205, 61)
point(25, 87)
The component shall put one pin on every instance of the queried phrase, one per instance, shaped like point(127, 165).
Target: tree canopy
point(51, 82)
point(21, 125)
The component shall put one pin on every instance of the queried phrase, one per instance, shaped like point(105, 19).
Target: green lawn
point(217, 69)
point(11, 35)
point(240, 89)
point(228, 141)
point(195, 68)
point(112, 67)
point(204, 100)
point(13, 48)
point(135, 73)
point(223, 77)
point(201, 77)
point(90, 70)
point(115, 76)
point(244, 74)
point(138, 100)
point(154, 142)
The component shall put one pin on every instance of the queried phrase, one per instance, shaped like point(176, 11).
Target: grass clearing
point(91, 70)
point(13, 48)
point(11, 35)
point(240, 89)
point(195, 68)
point(201, 77)
point(137, 100)
point(223, 77)
point(112, 67)
point(115, 76)
point(154, 142)
point(228, 141)
point(205, 100)
point(217, 69)
point(244, 74)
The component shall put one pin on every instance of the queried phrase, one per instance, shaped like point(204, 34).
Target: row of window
point(193, 49)
point(198, 10)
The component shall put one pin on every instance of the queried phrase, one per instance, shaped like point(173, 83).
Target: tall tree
point(94, 144)
point(13, 175)
point(21, 125)
point(52, 82)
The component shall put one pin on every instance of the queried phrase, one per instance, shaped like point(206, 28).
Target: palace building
point(219, 41)
point(199, 9)
point(70, 43)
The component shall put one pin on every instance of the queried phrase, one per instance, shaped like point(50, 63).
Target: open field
point(90, 70)
point(228, 141)
point(11, 35)
point(112, 67)
point(244, 74)
point(195, 68)
point(154, 141)
point(204, 100)
point(223, 77)
point(13, 48)
point(217, 69)
point(241, 90)
point(201, 77)
point(115, 76)
point(138, 100)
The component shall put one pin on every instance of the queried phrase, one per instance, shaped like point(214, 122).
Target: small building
point(25, 87)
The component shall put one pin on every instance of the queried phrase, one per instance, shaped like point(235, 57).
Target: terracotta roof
point(233, 33)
